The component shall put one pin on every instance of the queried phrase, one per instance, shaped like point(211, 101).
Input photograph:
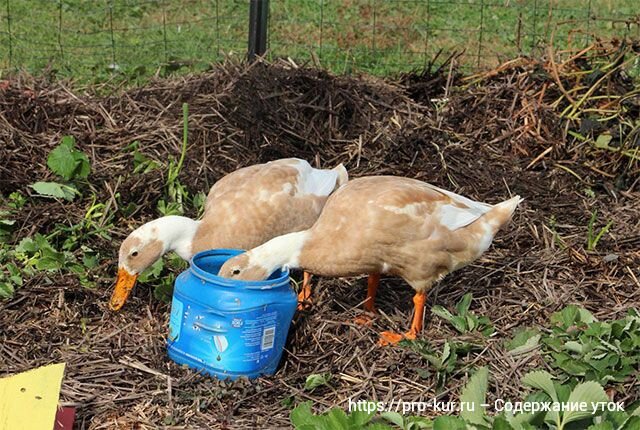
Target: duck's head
point(259, 263)
point(242, 268)
point(140, 250)
point(145, 245)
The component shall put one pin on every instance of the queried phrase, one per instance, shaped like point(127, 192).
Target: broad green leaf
point(6, 290)
point(50, 260)
point(90, 261)
point(574, 346)
point(26, 245)
point(586, 316)
point(442, 312)
point(66, 161)
point(590, 392)
point(463, 305)
point(359, 418)
point(394, 417)
point(54, 189)
point(572, 315)
point(523, 341)
point(84, 167)
point(603, 141)
point(459, 323)
point(632, 424)
point(152, 272)
point(337, 419)
point(164, 290)
point(447, 422)
point(563, 391)
point(541, 380)
point(302, 418)
point(474, 396)
point(315, 380)
point(472, 321)
point(500, 423)
point(142, 164)
point(518, 422)
point(7, 222)
point(61, 160)
point(446, 352)
point(520, 338)
point(570, 365)
point(416, 423)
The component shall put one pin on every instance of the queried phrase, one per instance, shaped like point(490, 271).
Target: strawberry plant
point(596, 351)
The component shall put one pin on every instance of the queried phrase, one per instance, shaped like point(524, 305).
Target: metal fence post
point(9, 34)
point(258, 23)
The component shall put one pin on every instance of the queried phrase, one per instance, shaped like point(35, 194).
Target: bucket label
point(268, 338)
point(175, 320)
point(259, 336)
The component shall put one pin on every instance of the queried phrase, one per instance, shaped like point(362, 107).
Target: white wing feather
point(454, 217)
point(315, 181)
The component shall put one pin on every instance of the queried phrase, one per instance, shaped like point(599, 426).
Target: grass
point(136, 39)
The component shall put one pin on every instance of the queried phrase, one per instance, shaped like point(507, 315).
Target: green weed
point(161, 276)
point(443, 363)
point(141, 164)
point(6, 225)
point(316, 380)
point(303, 418)
point(580, 346)
point(176, 193)
point(465, 321)
point(594, 237)
point(70, 164)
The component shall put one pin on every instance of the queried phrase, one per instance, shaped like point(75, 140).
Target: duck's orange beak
point(123, 288)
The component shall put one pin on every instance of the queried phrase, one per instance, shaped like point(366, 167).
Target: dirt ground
point(485, 137)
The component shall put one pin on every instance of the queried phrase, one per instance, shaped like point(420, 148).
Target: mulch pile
point(527, 128)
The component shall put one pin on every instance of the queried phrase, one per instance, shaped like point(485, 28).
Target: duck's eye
point(236, 271)
point(134, 254)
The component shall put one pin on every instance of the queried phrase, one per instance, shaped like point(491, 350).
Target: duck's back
point(387, 224)
point(254, 204)
point(385, 201)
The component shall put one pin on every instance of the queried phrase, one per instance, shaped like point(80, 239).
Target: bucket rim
point(280, 281)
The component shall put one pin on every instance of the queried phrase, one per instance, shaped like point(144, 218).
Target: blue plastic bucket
point(229, 328)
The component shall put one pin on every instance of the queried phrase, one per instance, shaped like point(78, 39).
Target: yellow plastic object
point(29, 400)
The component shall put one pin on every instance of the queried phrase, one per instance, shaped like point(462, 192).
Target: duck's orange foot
point(304, 296)
point(363, 320)
point(390, 338)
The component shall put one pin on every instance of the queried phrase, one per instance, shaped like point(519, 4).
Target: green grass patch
point(132, 40)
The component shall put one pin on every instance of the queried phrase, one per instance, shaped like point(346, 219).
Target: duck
point(243, 210)
point(384, 225)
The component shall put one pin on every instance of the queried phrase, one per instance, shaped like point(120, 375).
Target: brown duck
point(384, 225)
point(243, 209)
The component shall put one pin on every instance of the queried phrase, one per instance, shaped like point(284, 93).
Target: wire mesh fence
point(95, 39)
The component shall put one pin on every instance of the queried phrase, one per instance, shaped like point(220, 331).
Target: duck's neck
point(176, 233)
point(281, 251)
